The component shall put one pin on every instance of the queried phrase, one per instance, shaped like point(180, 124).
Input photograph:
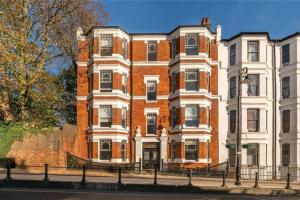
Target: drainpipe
point(274, 140)
point(131, 100)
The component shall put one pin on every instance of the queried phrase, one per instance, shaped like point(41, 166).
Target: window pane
point(173, 116)
point(253, 86)
point(253, 51)
point(191, 44)
point(151, 90)
point(232, 87)
point(123, 150)
point(285, 54)
point(106, 80)
point(285, 154)
point(174, 48)
point(286, 87)
point(105, 116)
point(152, 50)
point(105, 149)
point(191, 115)
point(124, 48)
point(232, 119)
point(232, 54)
point(253, 120)
point(191, 80)
point(285, 121)
point(172, 147)
point(151, 123)
point(106, 44)
point(191, 149)
point(124, 117)
point(252, 154)
point(124, 83)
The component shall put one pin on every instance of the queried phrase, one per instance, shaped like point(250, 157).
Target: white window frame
point(189, 36)
point(102, 73)
point(108, 45)
point(192, 117)
point(147, 123)
point(108, 117)
point(192, 71)
point(110, 148)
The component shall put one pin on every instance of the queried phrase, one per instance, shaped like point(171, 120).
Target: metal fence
point(266, 172)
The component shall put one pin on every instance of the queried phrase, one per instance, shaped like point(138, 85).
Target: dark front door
point(150, 155)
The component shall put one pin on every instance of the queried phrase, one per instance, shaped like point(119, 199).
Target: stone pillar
point(138, 145)
point(163, 146)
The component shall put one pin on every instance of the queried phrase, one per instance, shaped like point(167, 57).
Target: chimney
point(205, 22)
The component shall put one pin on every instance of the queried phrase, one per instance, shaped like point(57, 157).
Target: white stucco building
point(270, 101)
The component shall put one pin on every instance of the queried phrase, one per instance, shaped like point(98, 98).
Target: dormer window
point(152, 51)
point(106, 44)
point(191, 44)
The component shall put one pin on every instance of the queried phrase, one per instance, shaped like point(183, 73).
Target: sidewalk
point(149, 179)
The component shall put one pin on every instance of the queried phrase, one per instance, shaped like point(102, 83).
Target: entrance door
point(151, 155)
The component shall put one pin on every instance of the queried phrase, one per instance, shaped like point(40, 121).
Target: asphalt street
point(26, 194)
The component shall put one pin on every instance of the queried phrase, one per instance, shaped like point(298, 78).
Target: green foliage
point(9, 132)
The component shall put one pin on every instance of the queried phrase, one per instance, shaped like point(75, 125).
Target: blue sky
point(280, 18)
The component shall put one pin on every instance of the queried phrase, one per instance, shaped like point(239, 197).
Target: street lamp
point(242, 78)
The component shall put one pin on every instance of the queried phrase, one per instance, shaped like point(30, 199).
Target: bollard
point(224, 179)
point(83, 175)
point(46, 178)
point(8, 174)
point(288, 184)
point(155, 176)
point(256, 180)
point(190, 177)
point(119, 171)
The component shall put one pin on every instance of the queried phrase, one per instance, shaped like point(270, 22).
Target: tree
point(38, 56)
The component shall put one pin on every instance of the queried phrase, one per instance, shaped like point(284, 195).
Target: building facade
point(172, 97)
point(149, 97)
point(269, 101)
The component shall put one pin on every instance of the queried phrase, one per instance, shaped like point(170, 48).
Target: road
point(26, 194)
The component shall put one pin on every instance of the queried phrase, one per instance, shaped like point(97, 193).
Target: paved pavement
point(148, 179)
point(18, 194)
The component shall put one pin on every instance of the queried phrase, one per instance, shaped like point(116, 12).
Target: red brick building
point(149, 96)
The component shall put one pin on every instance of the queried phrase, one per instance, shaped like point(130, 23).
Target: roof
point(247, 33)
point(262, 33)
point(166, 33)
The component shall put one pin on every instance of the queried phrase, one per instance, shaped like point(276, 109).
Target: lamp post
point(242, 78)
